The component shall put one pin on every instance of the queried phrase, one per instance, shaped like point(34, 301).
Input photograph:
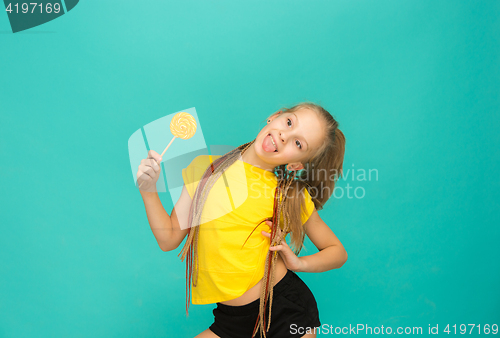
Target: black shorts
point(294, 311)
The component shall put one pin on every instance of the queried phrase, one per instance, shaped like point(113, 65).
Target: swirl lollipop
point(183, 125)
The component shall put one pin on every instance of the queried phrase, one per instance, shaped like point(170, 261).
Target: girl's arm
point(167, 229)
point(331, 255)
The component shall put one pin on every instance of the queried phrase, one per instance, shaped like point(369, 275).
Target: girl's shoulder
point(203, 161)
point(308, 206)
point(192, 174)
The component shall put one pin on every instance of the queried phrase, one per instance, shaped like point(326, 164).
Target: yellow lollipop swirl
point(183, 125)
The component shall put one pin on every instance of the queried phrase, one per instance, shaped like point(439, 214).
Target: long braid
point(190, 249)
point(280, 216)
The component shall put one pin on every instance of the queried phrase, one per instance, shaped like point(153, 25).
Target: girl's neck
point(250, 157)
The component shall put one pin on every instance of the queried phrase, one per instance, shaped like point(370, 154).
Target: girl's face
point(290, 138)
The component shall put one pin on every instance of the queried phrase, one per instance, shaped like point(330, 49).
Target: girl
point(251, 277)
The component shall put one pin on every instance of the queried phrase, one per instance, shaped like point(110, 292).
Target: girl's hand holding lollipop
point(183, 126)
point(149, 172)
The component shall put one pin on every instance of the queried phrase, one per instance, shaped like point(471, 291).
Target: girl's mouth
point(269, 145)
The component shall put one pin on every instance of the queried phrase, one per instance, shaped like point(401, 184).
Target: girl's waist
point(252, 296)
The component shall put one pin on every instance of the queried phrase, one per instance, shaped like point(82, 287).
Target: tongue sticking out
point(268, 145)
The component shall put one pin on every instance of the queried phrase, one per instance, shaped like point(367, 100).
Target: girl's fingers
point(154, 155)
point(268, 235)
point(149, 171)
point(271, 224)
point(282, 246)
point(154, 164)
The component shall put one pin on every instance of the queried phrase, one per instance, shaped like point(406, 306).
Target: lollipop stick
point(162, 155)
point(167, 147)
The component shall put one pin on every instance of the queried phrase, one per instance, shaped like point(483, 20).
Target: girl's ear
point(275, 115)
point(295, 166)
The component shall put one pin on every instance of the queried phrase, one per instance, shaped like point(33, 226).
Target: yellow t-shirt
point(241, 198)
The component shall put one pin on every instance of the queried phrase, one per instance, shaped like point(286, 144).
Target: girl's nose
point(282, 137)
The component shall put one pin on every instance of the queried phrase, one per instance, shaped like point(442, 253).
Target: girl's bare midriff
point(254, 292)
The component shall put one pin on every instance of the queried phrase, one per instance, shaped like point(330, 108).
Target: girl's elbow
point(169, 245)
point(345, 257)
point(165, 247)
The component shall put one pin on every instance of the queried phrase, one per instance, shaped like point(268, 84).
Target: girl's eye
point(297, 142)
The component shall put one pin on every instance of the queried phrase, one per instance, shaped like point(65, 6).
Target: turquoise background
point(414, 84)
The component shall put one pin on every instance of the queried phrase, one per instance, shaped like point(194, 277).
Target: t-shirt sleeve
point(192, 174)
point(309, 207)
